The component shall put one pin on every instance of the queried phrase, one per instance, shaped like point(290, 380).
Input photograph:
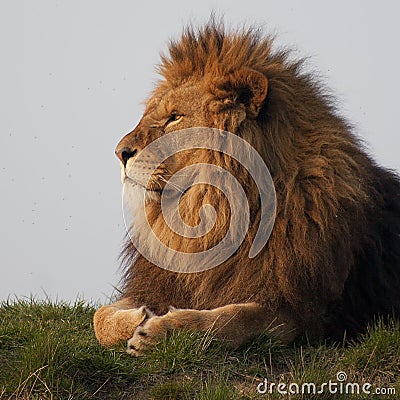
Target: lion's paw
point(146, 336)
point(112, 323)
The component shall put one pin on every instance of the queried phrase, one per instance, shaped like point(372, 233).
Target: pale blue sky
point(73, 75)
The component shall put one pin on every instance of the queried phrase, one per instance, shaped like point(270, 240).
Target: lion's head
point(210, 89)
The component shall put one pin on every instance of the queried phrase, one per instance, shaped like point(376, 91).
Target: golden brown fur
point(332, 262)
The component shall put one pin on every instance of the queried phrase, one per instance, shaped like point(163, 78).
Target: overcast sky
point(73, 76)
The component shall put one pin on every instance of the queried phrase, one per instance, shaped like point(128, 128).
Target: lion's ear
point(245, 87)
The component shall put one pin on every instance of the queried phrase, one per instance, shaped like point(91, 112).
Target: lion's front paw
point(146, 336)
point(112, 324)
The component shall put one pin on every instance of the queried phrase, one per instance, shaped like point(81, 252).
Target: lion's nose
point(125, 153)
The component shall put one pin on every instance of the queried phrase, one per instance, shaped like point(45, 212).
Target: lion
point(332, 262)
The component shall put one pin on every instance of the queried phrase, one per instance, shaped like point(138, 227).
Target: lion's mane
point(333, 259)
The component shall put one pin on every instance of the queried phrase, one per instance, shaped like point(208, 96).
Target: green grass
point(48, 351)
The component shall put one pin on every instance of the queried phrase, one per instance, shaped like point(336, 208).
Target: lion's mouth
point(138, 175)
point(150, 187)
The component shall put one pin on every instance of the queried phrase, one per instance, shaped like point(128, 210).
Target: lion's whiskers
point(174, 185)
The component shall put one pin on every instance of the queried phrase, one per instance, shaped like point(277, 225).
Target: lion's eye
point(173, 119)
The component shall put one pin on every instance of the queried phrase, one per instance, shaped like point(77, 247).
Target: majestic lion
point(332, 262)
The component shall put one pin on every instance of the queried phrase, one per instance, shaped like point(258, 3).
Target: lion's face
point(228, 102)
point(167, 110)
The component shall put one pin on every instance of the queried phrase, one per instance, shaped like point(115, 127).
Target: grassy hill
point(48, 351)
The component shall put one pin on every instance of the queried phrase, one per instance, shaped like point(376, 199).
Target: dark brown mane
point(334, 253)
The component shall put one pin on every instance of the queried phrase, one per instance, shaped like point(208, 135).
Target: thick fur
point(332, 263)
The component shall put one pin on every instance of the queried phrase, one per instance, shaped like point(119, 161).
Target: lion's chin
point(134, 192)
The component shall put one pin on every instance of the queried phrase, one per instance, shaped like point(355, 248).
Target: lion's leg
point(236, 323)
point(118, 321)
